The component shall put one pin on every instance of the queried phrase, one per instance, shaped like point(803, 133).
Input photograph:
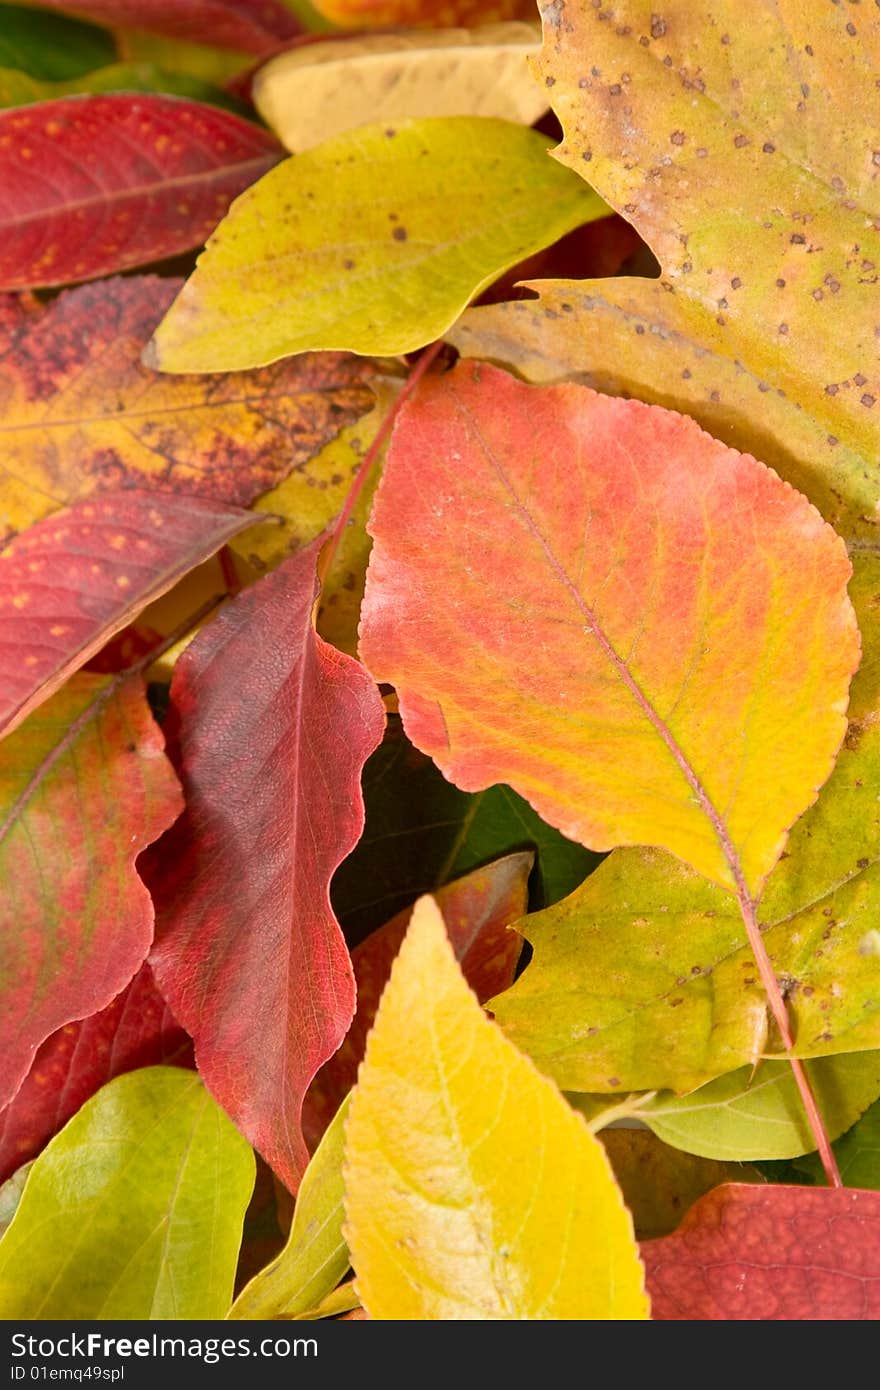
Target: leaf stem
point(779, 1009)
point(418, 370)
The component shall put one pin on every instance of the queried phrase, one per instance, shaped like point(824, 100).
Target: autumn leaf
point(315, 92)
point(315, 1257)
point(135, 1030)
point(275, 727)
point(152, 1229)
point(80, 412)
point(766, 1254)
point(18, 89)
point(373, 243)
point(241, 24)
point(73, 581)
point(686, 1005)
point(373, 14)
point(643, 632)
point(696, 125)
point(84, 788)
point(51, 47)
point(477, 910)
point(472, 1190)
point(95, 184)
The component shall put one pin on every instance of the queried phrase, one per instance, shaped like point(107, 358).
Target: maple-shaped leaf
point(318, 90)
point(134, 1210)
point(697, 125)
point(766, 1254)
point(136, 1030)
point(71, 582)
point(95, 184)
point(643, 632)
point(251, 26)
point(81, 412)
point(472, 1190)
point(84, 788)
point(275, 727)
point(646, 954)
point(477, 910)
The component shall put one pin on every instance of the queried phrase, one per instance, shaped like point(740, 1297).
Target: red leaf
point(135, 1030)
point(71, 582)
point(770, 1254)
point(94, 184)
point(84, 788)
point(252, 26)
point(275, 727)
point(477, 910)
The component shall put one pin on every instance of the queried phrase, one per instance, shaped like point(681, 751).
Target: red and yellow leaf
point(478, 910)
point(95, 184)
point(768, 1254)
point(84, 788)
point(73, 581)
point(642, 631)
point(80, 412)
point(136, 1030)
point(416, 14)
point(275, 727)
point(252, 26)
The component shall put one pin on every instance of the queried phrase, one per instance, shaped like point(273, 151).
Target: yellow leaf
point(310, 94)
point(473, 1191)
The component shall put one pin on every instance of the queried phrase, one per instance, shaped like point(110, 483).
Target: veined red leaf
point(84, 788)
point(643, 632)
point(73, 581)
point(252, 26)
point(136, 1030)
point(275, 727)
point(94, 184)
point(81, 413)
point(478, 910)
point(768, 1254)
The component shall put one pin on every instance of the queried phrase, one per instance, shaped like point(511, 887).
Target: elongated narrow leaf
point(642, 977)
point(134, 1210)
point(315, 92)
point(642, 631)
point(252, 26)
point(374, 242)
point(94, 184)
point(18, 89)
point(51, 46)
point(696, 125)
point(767, 1254)
point(477, 910)
point(84, 788)
point(136, 1030)
point(72, 582)
point(315, 1257)
point(472, 1190)
point(81, 412)
point(275, 727)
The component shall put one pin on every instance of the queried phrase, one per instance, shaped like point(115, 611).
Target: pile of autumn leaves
point(606, 628)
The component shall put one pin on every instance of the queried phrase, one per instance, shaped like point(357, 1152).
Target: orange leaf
point(642, 631)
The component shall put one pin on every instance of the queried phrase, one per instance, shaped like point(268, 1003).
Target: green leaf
point(373, 242)
point(744, 1117)
point(51, 46)
point(857, 1153)
point(315, 1257)
point(134, 1210)
point(422, 832)
point(20, 89)
point(10, 1195)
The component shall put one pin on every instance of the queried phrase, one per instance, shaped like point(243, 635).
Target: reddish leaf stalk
point(325, 564)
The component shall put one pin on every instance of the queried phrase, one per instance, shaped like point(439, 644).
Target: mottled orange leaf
point(415, 14)
point(79, 411)
point(478, 910)
point(74, 580)
point(642, 631)
point(84, 788)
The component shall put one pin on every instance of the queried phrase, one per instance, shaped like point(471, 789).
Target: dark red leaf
point(94, 184)
point(136, 1030)
point(768, 1254)
point(252, 26)
point(71, 582)
point(275, 727)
